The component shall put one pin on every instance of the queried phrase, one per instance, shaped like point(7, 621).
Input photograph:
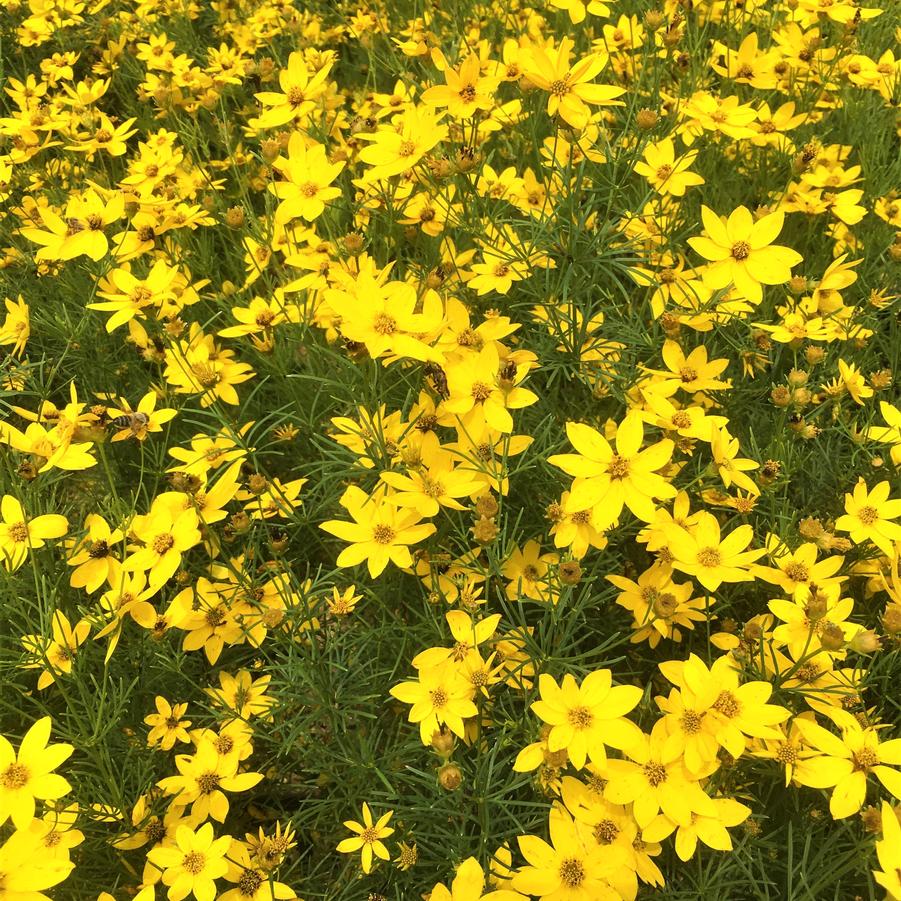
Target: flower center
point(787, 754)
point(383, 534)
point(572, 872)
point(559, 87)
point(655, 773)
point(580, 718)
point(741, 250)
point(468, 93)
point(194, 863)
point(664, 172)
point(18, 531)
point(797, 572)
point(370, 836)
point(867, 515)
point(709, 557)
point(605, 832)
point(407, 148)
point(14, 777)
point(480, 391)
point(98, 549)
point(864, 759)
point(691, 722)
point(687, 374)
point(439, 698)
point(727, 704)
point(163, 543)
point(384, 324)
point(618, 467)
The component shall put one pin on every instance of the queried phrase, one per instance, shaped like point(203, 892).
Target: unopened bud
point(646, 119)
point(486, 505)
point(570, 573)
point(450, 777)
point(832, 638)
point(865, 642)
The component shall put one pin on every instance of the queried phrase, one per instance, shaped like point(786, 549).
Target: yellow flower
point(203, 779)
point(141, 422)
point(307, 183)
point(869, 515)
point(164, 538)
point(845, 763)
point(93, 555)
point(380, 532)
point(568, 88)
point(853, 380)
point(465, 91)
point(574, 866)
point(29, 775)
point(25, 871)
point(664, 172)
point(584, 718)
point(468, 885)
point(606, 480)
point(299, 90)
point(703, 553)
point(741, 252)
point(394, 150)
point(194, 864)
point(243, 695)
point(16, 328)
point(710, 829)
point(167, 725)
point(368, 837)
point(888, 850)
point(55, 655)
point(440, 696)
point(18, 533)
point(890, 433)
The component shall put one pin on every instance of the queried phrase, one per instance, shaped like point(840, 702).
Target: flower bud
point(570, 572)
point(443, 742)
point(865, 642)
point(832, 638)
point(450, 777)
point(646, 119)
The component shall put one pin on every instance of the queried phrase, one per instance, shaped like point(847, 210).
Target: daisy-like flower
point(368, 837)
point(584, 718)
point(307, 184)
point(29, 775)
point(703, 552)
point(167, 725)
point(468, 884)
point(606, 479)
point(569, 88)
point(18, 533)
point(466, 90)
point(741, 252)
point(664, 172)
point(194, 863)
point(869, 515)
point(380, 532)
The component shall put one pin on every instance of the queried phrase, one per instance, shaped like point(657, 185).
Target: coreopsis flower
point(664, 172)
point(796, 572)
point(79, 231)
point(26, 872)
point(126, 296)
point(690, 372)
point(19, 533)
point(735, 709)
point(440, 696)
point(569, 88)
point(28, 774)
point(528, 572)
point(577, 9)
point(711, 830)
point(387, 317)
point(480, 388)
point(466, 90)
point(655, 779)
point(203, 779)
point(167, 725)
point(741, 252)
point(398, 148)
point(607, 479)
point(94, 555)
point(380, 532)
point(242, 695)
point(846, 762)
point(853, 381)
point(251, 882)
point(869, 514)
point(584, 718)
point(299, 91)
point(140, 422)
point(193, 863)
point(468, 885)
point(574, 866)
point(306, 185)
point(890, 433)
point(433, 484)
point(163, 538)
point(703, 553)
point(888, 851)
point(368, 837)
point(16, 328)
point(55, 655)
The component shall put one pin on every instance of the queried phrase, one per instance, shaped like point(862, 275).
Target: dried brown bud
point(570, 573)
point(450, 777)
